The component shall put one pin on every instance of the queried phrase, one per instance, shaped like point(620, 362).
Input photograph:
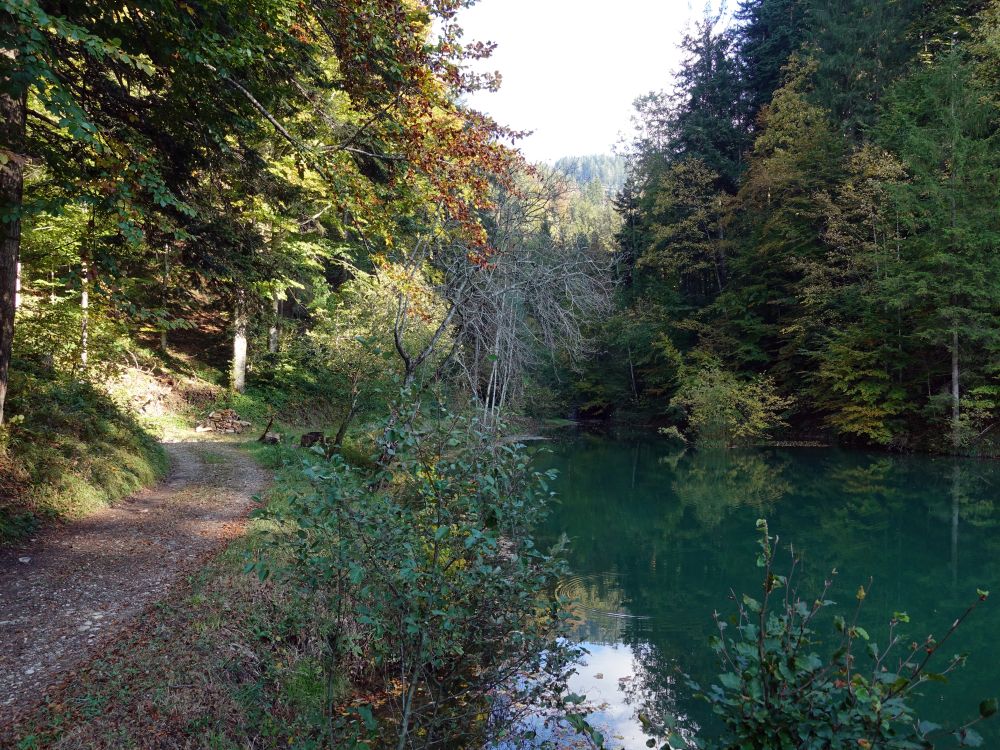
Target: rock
point(312, 438)
point(271, 438)
point(224, 420)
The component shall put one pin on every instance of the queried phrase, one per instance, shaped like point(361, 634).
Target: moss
point(67, 451)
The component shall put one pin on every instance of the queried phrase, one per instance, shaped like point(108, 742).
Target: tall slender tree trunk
point(241, 323)
point(955, 391)
point(13, 112)
point(720, 253)
point(273, 331)
point(166, 282)
point(631, 372)
point(85, 272)
point(84, 311)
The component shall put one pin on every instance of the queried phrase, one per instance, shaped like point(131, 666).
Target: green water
point(658, 540)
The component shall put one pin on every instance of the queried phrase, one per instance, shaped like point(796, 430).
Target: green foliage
point(844, 249)
point(861, 48)
point(771, 31)
point(426, 573)
point(786, 684)
point(608, 171)
point(68, 450)
point(709, 117)
point(724, 410)
point(686, 252)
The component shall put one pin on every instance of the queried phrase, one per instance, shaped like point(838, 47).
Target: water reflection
point(601, 607)
point(659, 539)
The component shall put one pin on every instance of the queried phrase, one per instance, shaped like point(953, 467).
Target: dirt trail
point(71, 588)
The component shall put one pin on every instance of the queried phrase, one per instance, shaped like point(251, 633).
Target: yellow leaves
point(422, 300)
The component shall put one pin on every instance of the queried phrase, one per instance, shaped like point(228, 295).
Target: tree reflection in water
point(660, 539)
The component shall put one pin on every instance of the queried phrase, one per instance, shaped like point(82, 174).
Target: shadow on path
point(72, 587)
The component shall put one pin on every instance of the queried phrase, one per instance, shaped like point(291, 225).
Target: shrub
point(777, 691)
point(429, 579)
point(723, 409)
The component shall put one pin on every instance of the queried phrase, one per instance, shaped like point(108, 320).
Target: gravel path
point(65, 592)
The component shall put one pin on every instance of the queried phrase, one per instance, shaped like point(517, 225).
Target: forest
point(811, 212)
point(276, 231)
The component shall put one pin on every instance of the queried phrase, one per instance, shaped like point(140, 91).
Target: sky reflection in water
point(659, 538)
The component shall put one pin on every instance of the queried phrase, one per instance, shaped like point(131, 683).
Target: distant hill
point(607, 169)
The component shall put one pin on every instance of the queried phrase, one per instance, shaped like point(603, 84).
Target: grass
point(67, 450)
point(71, 447)
point(225, 661)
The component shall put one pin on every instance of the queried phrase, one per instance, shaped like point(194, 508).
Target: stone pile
point(224, 420)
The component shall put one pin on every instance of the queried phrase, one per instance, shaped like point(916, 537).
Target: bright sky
point(572, 68)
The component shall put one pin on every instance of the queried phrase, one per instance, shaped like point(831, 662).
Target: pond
point(659, 538)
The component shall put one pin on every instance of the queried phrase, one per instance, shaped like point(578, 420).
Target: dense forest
point(812, 211)
point(608, 170)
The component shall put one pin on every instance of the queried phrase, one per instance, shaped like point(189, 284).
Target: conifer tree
point(861, 47)
point(795, 156)
point(945, 127)
point(770, 32)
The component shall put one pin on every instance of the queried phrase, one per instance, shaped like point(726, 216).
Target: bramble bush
point(432, 592)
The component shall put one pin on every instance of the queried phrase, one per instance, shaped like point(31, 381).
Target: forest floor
point(70, 590)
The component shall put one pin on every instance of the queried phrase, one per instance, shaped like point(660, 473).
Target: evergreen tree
point(863, 351)
point(686, 247)
point(943, 124)
point(633, 234)
point(941, 23)
point(861, 48)
point(770, 31)
point(708, 117)
point(795, 156)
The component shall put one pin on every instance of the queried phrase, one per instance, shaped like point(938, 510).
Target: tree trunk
point(166, 282)
point(272, 338)
point(955, 393)
point(631, 372)
point(84, 311)
point(85, 271)
point(338, 441)
point(240, 325)
point(13, 111)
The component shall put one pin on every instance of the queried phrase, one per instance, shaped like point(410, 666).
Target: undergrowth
point(67, 449)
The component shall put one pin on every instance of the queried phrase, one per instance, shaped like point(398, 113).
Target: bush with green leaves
point(722, 409)
point(433, 592)
point(778, 690)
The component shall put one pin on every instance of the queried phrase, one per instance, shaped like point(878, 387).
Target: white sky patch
point(572, 68)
